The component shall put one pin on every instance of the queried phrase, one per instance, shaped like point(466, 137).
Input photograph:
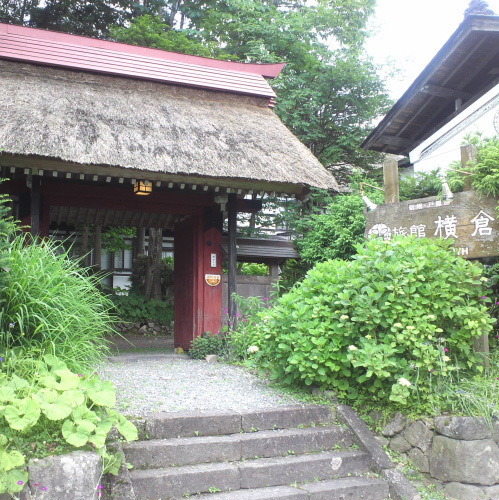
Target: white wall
point(443, 147)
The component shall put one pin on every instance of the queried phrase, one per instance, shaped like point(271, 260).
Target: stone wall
point(149, 328)
point(460, 454)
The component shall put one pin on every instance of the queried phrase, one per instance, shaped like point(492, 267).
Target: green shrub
point(51, 305)
point(208, 343)
point(75, 406)
point(254, 269)
point(420, 185)
point(380, 324)
point(134, 307)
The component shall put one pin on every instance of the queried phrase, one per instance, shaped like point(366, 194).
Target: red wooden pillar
point(212, 291)
point(197, 255)
point(185, 282)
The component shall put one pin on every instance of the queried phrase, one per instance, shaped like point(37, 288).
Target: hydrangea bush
point(381, 325)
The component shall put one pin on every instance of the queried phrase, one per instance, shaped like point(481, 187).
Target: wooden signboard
point(469, 220)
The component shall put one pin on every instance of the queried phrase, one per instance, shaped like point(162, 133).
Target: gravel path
point(148, 383)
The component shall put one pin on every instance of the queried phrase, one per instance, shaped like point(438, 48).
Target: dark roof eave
point(470, 24)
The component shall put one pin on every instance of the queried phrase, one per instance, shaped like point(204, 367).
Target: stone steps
point(348, 488)
point(179, 482)
point(291, 453)
point(190, 424)
point(234, 447)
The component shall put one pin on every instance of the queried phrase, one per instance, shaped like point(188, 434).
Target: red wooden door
point(185, 282)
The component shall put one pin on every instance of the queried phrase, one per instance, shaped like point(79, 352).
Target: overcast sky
point(411, 32)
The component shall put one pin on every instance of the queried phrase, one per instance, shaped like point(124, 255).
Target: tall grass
point(468, 393)
point(49, 304)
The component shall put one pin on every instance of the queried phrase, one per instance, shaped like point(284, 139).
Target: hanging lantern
point(142, 187)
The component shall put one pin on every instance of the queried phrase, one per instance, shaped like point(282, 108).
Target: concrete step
point(177, 482)
point(195, 423)
point(348, 488)
point(302, 468)
point(263, 444)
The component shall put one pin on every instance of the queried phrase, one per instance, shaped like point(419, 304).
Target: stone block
point(465, 461)
point(275, 493)
point(211, 358)
point(349, 488)
point(74, 476)
point(382, 441)
point(465, 428)
point(364, 438)
point(304, 468)
point(265, 444)
point(419, 434)
point(491, 492)
point(395, 425)
point(285, 417)
point(399, 444)
point(459, 491)
point(183, 451)
point(399, 485)
point(177, 482)
point(419, 459)
point(192, 423)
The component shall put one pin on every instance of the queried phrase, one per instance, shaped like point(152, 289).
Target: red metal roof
point(89, 54)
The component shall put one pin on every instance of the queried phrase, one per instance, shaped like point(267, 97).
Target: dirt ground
point(141, 343)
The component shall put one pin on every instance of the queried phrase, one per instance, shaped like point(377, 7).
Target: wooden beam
point(232, 257)
point(249, 206)
point(441, 91)
point(393, 140)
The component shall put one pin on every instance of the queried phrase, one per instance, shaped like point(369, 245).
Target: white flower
point(252, 349)
point(344, 317)
point(446, 358)
point(403, 381)
point(352, 348)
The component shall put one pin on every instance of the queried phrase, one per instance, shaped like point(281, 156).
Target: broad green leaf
point(54, 362)
point(73, 434)
point(22, 416)
point(10, 460)
point(102, 394)
point(69, 380)
point(13, 478)
point(124, 426)
point(7, 394)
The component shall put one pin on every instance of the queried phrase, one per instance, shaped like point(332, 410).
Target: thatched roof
point(141, 126)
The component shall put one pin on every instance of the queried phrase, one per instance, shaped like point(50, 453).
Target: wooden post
point(35, 206)
point(468, 154)
point(481, 346)
point(232, 251)
point(98, 247)
point(391, 178)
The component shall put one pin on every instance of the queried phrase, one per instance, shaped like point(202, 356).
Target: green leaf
point(13, 478)
point(10, 460)
point(7, 394)
point(77, 435)
point(102, 393)
point(23, 415)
